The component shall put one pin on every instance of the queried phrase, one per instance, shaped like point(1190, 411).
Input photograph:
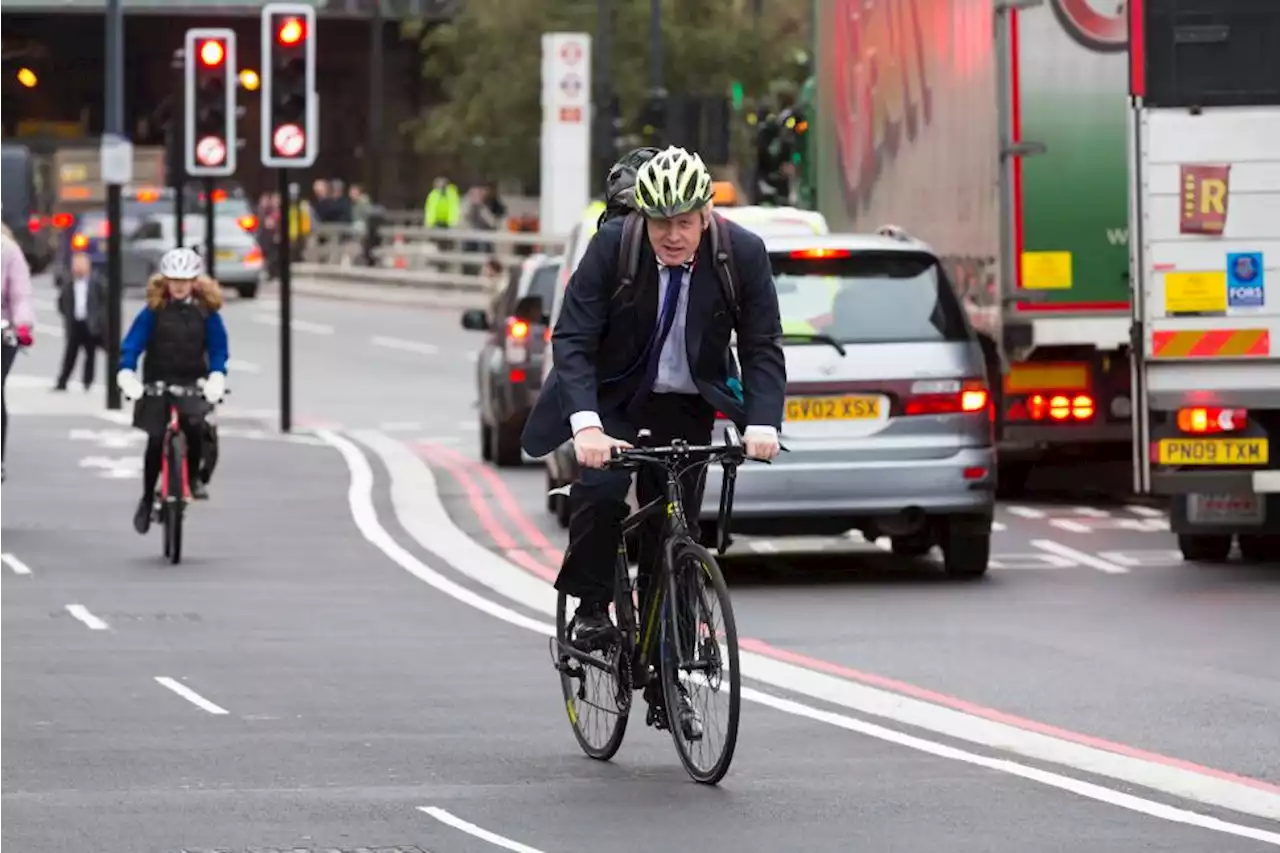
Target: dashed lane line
point(476, 831)
point(80, 612)
point(190, 695)
point(18, 567)
point(1079, 556)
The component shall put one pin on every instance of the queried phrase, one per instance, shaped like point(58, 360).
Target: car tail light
point(517, 343)
point(517, 375)
point(1208, 419)
point(219, 195)
point(947, 397)
point(819, 254)
point(62, 220)
point(79, 242)
point(248, 222)
point(1061, 407)
point(147, 196)
point(253, 256)
point(34, 224)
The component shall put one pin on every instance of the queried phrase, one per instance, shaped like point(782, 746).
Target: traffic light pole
point(286, 304)
point(177, 141)
point(114, 125)
point(208, 227)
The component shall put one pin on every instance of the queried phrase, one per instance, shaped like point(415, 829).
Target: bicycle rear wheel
point(700, 665)
point(596, 698)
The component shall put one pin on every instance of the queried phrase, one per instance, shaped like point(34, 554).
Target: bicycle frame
point(172, 433)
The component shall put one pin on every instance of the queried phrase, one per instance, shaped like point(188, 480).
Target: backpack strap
point(629, 252)
point(726, 268)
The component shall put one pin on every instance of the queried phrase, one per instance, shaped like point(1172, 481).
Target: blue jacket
point(135, 342)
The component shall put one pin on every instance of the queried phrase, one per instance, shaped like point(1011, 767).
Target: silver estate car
point(888, 418)
point(237, 256)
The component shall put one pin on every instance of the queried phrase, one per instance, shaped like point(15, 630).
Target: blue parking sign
point(1245, 287)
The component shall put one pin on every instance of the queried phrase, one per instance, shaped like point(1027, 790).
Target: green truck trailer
point(995, 132)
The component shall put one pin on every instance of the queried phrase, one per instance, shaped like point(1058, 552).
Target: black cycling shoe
point(198, 490)
point(590, 624)
point(142, 515)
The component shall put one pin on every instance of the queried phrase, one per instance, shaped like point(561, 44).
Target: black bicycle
point(667, 641)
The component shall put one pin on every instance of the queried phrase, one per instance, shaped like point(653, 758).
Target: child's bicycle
point(173, 492)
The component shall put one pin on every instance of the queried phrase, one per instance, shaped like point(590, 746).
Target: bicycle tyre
point(683, 553)
point(569, 690)
point(176, 498)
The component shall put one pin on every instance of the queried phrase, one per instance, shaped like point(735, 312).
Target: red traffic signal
point(212, 53)
point(291, 32)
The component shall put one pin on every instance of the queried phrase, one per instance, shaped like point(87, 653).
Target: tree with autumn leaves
point(487, 62)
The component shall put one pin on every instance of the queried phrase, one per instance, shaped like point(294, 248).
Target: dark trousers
point(10, 353)
point(78, 338)
point(193, 429)
point(598, 505)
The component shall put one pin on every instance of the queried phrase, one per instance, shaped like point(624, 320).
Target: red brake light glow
point(79, 242)
point(517, 329)
point(62, 220)
point(819, 254)
point(1060, 407)
point(34, 224)
point(1209, 419)
point(248, 222)
point(926, 399)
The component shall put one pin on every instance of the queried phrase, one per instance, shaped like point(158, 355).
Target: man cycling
point(653, 356)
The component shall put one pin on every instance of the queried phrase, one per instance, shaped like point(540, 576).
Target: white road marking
point(1152, 557)
point(404, 346)
point(82, 613)
point(999, 527)
point(1178, 781)
point(1024, 512)
point(190, 695)
point(114, 468)
point(235, 364)
point(438, 439)
point(1149, 512)
point(1069, 525)
point(479, 832)
point(1034, 774)
point(19, 567)
point(762, 546)
point(1091, 512)
point(296, 325)
point(1079, 556)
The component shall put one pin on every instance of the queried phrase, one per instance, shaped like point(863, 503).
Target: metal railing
point(438, 258)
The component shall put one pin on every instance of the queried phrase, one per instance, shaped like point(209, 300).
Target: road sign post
point(290, 116)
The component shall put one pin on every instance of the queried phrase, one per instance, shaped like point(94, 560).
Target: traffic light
point(290, 108)
point(210, 84)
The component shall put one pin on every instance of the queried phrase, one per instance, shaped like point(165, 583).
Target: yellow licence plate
point(1213, 451)
point(225, 255)
point(833, 408)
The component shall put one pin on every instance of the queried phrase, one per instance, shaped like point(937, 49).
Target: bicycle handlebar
point(732, 450)
point(159, 389)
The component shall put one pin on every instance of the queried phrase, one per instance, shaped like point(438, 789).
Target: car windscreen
point(867, 297)
point(543, 284)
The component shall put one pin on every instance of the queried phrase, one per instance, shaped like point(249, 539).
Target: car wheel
point(486, 442)
point(1259, 548)
point(248, 290)
point(505, 451)
point(911, 546)
point(1204, 549)
point(966, 553)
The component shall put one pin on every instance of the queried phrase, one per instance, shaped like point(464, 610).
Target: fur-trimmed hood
point(206, 290)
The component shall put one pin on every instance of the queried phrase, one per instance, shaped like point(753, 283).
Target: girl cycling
point(184, 340)
point(17, 310)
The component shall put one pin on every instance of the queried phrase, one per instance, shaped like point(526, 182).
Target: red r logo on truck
point(1100, 25)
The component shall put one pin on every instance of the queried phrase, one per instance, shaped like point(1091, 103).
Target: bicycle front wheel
point(701, 681)
point(597, 695)
point(175, 482)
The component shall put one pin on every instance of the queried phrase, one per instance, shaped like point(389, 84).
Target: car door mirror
point(475, 319)
point(530, 310)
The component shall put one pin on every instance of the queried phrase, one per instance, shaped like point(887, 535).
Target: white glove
point(215, 387)
point(129, 385)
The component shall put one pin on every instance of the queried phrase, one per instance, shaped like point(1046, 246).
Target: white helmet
point(673, 182)
point(181, 263)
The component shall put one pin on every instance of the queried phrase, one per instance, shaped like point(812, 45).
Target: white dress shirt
point(80, 299)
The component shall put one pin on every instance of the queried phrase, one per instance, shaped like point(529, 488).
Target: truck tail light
point(948, 397)
point(1061, 407)
point(34, 223)
point(1201, 419)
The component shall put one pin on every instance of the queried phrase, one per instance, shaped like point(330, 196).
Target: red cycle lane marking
point(530, 563)
point(475, 497)
point(460, 472)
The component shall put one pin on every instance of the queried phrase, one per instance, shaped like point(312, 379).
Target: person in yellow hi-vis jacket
point(299, 223)
point(444, 205)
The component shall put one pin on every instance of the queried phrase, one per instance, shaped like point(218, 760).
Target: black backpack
point(721, 251)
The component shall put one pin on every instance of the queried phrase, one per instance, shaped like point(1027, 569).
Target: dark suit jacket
point(97, 303)
point(602, 332)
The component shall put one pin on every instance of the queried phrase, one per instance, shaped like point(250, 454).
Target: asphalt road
point(353, 655)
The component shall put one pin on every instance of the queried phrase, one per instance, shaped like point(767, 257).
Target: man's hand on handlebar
point(762, 446)
point(593, 447)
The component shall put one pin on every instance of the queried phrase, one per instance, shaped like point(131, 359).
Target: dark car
point(21, 207)
point(509, 365)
